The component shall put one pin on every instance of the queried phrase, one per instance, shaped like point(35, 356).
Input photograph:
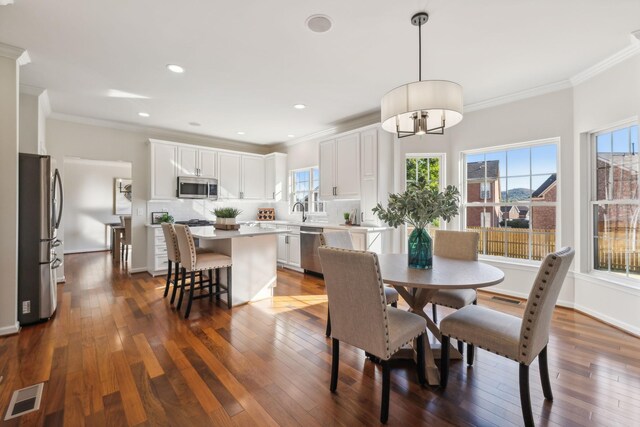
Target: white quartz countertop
point(208, 232)
point(252, 226)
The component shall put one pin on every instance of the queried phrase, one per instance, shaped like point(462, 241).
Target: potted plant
point(165, 217)
point(347, 218)
point(419, 207)
point(226, 215)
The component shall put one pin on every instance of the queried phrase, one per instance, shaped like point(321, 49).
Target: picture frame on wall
point(122, 196)
point(156, 216)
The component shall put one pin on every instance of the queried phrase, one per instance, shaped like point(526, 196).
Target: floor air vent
point(507, 300)
point(24, 401)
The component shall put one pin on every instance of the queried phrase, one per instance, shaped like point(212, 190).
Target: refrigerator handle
point(57, 180)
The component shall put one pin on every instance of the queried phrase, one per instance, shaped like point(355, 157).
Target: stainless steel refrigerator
point(40, 211)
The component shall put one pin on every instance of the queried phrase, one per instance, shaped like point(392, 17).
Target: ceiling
point(247, 63)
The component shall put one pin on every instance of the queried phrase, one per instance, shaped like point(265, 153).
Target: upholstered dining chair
point(193, 261)
point(370, 325)
point(342, 239)
point(521, 340)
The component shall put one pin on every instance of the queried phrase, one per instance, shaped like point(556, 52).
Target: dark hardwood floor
point(117, 354)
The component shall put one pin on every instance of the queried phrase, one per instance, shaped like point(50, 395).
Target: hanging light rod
point(421, 107)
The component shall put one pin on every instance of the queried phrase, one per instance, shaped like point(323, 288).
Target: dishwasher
point(309, 244)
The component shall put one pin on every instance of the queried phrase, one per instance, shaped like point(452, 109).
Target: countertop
point(207, 232)
point(252, 226)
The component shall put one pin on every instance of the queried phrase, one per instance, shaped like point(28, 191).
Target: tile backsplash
point(186, 209)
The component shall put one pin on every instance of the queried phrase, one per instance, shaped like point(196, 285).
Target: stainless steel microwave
point(191, 187)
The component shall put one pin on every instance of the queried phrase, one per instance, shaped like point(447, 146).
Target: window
point(615, 201)
point(305, 187)
point(425, 170)
point(485, 190)
point(511, 199)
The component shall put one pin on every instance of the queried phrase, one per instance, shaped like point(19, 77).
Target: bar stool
point(173, 255)
point(192, 261)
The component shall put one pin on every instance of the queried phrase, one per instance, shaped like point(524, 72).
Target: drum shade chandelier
point(422, 107)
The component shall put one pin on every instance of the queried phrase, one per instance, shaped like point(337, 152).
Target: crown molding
point(20, 55)
point(31, 90)
point(528, 93)
point(605, 64)
point(163, 134)
point(5, 2)
point(42, 94)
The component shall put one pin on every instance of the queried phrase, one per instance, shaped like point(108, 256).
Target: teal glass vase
point(420, 249)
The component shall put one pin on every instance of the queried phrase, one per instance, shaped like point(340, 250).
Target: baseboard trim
point(86, 251)
point(61, 279)
point(137, 270)
point(10, 330)
point(521, 296)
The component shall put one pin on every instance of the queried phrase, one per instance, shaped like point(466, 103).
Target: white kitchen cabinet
point(208, 163)
point(327, 169)
point(187, 161)
point(164, 158)
point(283, 249)
point(276, 180)
point(359, 241)
point(340, 167)
point(157, 261)
point(289, 248)
point(368, 175)
point(229, 166)
point(294, 250)
point(367, 240)
point(252, 177)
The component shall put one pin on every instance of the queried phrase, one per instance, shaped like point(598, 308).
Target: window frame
point(557, 204)
point(616, 277)
point(314, 204)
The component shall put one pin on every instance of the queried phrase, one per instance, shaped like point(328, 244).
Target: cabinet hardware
point(361, 217)
point(286, 239)
point(274, 195)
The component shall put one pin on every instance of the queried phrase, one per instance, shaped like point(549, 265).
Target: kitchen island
point(254, 253)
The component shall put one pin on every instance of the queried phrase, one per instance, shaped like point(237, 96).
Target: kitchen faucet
point(304, 217)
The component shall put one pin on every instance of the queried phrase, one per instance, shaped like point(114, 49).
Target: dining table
point(117, 230)
point(418, 286)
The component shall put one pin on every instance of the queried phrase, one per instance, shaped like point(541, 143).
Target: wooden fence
point(515, 242)
point(615, 249)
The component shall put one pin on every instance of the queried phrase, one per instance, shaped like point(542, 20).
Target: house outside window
point(511, 199)
point(615, 201)
point(305, 188)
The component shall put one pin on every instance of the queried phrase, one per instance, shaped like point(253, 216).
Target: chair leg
point(544, 374)
point(460, 347)
point(386, 390)
point(191, 288)
point(328, 331)
point(434, 313)
point(217, 284)
point(126, 257)
point(444, 361)
point(211, 285)
point(394, 304)
point(420, 362)
point(229, 296)
point(182, 286)
point(176, 282)
point(470, 351)
point(335, 360)
point(525, 397)
point(166, 287)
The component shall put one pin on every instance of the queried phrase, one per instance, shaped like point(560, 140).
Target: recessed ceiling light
point(291, 136)
point(240, 132)
point(143, 114)
point(195, 124)
point(175, 68)
point(319, 23)
point(299, 106)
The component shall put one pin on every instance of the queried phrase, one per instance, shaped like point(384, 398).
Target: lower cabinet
point(289, 247)
point(367, 241)
point(157, 262)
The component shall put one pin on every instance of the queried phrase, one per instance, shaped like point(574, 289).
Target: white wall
point(88, 202)
point(9, 106)
point(129, 144)
point(603, 101)
point(29, 108)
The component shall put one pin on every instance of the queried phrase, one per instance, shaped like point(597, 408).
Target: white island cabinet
point(253, 252)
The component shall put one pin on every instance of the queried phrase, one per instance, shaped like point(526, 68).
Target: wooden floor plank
point(117, 353)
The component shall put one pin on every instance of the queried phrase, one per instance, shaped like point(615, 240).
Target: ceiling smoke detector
point(319, 23)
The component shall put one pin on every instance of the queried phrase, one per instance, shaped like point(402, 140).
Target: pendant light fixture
point(422, 107)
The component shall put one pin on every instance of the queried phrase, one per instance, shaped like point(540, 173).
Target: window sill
point(523, 264)
point(611, 280)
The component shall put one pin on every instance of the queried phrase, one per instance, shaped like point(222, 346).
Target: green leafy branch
point(419, 206)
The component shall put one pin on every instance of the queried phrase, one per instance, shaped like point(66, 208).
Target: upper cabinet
point(275, 173)
point(368, 175)
point(194, 161)
point(253, 177)
point(164, 171)
point(240, 175)
point(340, 167)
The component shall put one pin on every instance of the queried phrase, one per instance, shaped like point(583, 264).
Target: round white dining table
point(417, 287)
